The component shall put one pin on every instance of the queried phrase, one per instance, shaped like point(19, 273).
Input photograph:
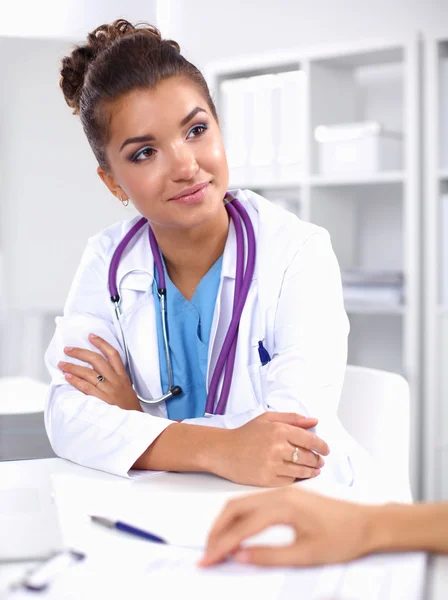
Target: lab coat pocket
point(258, 375)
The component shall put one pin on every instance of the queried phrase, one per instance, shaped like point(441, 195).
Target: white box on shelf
point(358, 147)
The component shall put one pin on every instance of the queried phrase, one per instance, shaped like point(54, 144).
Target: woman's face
point(163, 142)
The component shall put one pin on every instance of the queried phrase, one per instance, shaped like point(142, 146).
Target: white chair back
point(374, 409)
point(22, 395)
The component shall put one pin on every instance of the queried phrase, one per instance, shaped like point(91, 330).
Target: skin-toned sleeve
point(80, 427)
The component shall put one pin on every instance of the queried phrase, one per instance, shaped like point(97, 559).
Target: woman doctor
point(152, 125)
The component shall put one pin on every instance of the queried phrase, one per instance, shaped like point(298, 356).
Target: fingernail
point(92, 335)
point(68, 349)
point(322, 462)
point(242, 556)
point(61, 364)
point(68, 375)
point(317, 472)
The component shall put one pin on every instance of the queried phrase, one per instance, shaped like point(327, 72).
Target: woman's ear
point(109, 180)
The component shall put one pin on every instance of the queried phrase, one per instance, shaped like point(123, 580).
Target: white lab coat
point(295, 305)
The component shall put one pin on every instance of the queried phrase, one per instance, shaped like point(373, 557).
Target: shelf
point(375, 309)
point(357, 179)
point(373, 217)
point(327, 181)
point(364, 58)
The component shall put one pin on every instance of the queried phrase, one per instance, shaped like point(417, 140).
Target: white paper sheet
point(140, 474)
point(152, 570)
point(159, 571)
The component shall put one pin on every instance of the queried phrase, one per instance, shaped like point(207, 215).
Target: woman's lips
point(194, 198)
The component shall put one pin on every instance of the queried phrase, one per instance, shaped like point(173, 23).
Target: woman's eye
point(148, 152)
point(142, 154)
point(198, 130)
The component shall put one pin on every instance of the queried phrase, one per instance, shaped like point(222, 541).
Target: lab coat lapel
point(224, 303)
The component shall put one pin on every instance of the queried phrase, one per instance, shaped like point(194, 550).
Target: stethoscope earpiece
point(176, 390)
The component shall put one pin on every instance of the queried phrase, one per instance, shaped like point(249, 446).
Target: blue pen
point(263, 354)
point(128, 529)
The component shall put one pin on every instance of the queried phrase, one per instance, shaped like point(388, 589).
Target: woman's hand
point(327, 531)
point(261, 451)
point(116, 387)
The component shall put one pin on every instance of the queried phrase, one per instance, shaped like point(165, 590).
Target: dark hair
point(117, 59)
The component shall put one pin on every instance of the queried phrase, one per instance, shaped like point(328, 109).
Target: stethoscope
point(244, 274)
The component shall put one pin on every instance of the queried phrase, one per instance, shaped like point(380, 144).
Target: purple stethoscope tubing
point(230, 362)
point(242, 285)
point(244, 275)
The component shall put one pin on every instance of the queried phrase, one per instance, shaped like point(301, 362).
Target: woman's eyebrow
point(150, 138)
point(192, 114)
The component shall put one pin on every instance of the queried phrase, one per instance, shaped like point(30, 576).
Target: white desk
point(437, 580)
point(179, 506)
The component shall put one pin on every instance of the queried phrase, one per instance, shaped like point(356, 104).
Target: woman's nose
point(184, 163)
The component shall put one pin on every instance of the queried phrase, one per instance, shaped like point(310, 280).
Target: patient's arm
point(410, 527)
point(327, 530)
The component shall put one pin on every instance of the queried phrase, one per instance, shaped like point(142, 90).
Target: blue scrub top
point(189, 324)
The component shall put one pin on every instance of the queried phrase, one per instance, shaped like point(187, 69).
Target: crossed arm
point(186, 447)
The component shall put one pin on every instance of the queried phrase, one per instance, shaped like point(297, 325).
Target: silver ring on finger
point(295, 456)
point(99, 379)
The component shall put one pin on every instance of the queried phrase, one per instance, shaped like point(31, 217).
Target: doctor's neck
point(190, 253)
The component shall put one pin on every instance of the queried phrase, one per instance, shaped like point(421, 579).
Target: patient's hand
point(116, 387)
point(327, 530)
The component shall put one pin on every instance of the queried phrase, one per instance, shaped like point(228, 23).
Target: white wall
point(209, 31)
point(52, 199)
point(47, 172)
point(70, 19)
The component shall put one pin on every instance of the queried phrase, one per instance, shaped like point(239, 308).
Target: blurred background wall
point(47, 169)
point(52, 199)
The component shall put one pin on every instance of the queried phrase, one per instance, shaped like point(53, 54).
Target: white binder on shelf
point(236, 108)
point(262, 140)
point(291, 125)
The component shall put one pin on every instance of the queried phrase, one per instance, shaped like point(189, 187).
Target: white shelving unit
point(436, 269)
point(373, 217)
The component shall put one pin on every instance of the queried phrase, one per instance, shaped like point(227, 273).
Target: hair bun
point(75, 66)
point(104, 35)
point(73, 71)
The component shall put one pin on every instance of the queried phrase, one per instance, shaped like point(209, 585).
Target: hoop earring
point(124, 202)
